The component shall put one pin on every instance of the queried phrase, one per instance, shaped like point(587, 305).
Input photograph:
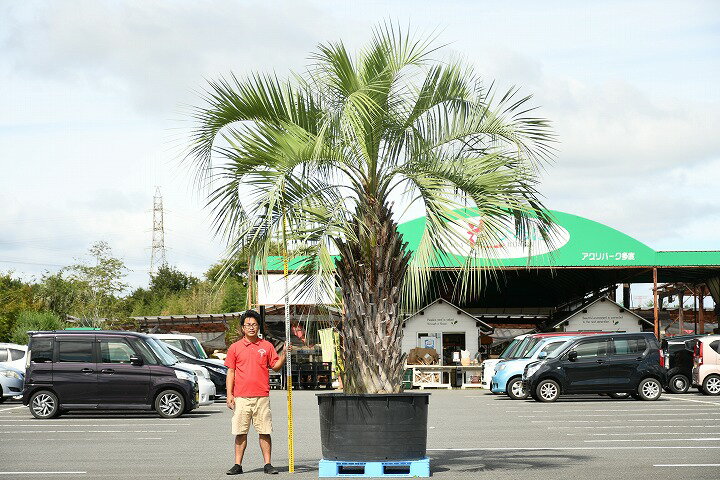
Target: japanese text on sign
point(600, 256)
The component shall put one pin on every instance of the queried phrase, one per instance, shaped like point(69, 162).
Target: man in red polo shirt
point(248, 389)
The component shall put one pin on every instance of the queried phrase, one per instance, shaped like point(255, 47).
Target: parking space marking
point(613, 410)
point(597, 447)
point(623, 420)
point(706, 439)
point(594, 427)
point(43, 473)
point(88, 431)
point(688, 465)
point(12, 408)
point(45, 425)
point(713, 412)
point(634, 433)
point(717, 404)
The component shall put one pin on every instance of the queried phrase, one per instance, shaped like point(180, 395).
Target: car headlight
point(11, 374)
point(190, 377)
point(217, 370)
point(500, 367)
point(532, 368)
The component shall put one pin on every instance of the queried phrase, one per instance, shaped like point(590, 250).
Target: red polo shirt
point(251, 362)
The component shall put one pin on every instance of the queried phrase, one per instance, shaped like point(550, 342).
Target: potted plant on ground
point(322, 159)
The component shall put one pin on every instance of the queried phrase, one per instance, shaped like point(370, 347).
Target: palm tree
point(320, 159)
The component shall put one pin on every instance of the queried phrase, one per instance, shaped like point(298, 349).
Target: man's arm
point(280, 361)
point(229, 384)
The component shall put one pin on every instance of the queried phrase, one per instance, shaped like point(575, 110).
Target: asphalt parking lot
point(472, 434)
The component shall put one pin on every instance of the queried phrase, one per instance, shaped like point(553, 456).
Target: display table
point(437, 376)
point(468, 372)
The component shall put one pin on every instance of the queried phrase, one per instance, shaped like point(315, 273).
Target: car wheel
point(619, 395)
point(170, 404)
point(649, 389)
point(711, 385)
point(515, 389)
point(678, 383)
point(44, 405)
point(548, 390)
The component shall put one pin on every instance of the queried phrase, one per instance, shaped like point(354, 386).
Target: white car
point(13, 354)
point(206, 387)
point(11, 381)
point(188, 344)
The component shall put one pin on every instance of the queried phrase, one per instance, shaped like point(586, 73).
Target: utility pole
point(157, 257)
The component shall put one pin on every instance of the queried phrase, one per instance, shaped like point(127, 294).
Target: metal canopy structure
point(586, 259)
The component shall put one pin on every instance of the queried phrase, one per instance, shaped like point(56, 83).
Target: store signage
point(504, 242)
point(601, 320)
point(441, 322)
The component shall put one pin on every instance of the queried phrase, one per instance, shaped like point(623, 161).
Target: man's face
point(250, 327)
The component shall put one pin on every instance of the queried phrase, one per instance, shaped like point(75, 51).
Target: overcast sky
point(94, 95)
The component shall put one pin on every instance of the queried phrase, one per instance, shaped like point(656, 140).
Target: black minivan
point(109, 370)
point(618, 364)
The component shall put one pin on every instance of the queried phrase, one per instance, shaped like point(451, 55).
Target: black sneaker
point(270, 469)
point(235, 470)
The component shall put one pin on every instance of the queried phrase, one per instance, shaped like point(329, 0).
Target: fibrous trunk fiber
point(370, 271)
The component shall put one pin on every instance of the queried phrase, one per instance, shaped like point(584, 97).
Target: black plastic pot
point(366, 428)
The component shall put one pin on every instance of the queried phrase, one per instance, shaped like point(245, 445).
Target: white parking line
point(717, 404)
point(12, 408)
point(43, 473)
point(88, 431)
point(658, 409)
point(688, 465)
point(634, 447)
point(594, 427)
point(622, 420)
point(707, 439)
point(45, 425)
point(680, 414)
point(631, 434)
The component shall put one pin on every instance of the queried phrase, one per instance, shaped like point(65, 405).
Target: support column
point(655, 304)
point(694, 290)
point(626, 295)
point(701, 310)
point(681, 312)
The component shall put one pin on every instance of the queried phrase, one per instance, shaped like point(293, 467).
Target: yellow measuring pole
point(288, 375)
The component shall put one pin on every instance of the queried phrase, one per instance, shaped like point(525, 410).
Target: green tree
point(318, 161)
point(59, 294)
point(171, 280)
point(101, 280)
point(234, 297)
point(15, 297)
point(29, 320)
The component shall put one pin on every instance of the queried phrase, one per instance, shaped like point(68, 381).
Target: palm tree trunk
point(370, 273)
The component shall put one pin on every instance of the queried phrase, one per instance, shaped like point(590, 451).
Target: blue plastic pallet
point(410, 468)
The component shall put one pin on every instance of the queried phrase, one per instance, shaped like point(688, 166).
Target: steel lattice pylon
point(157, 257)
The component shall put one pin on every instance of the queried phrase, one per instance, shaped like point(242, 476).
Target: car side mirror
point(542, 355)
point(572, 356)
point(135, 360)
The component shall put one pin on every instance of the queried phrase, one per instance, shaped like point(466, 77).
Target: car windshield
point(510, 348)
point(165, 348)
point(190, 346)
point(560, 348)
point(525, 346)
point(547, 347)
point(167, 359)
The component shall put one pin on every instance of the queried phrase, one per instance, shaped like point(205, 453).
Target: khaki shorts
point(256, 409)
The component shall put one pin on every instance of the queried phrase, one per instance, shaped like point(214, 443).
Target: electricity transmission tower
point(157, 257)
